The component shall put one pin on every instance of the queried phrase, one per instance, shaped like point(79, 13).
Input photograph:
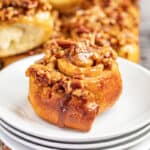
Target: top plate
point(129, 113)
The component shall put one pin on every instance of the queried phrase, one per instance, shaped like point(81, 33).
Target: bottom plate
point(123, 143)
point(12, 143)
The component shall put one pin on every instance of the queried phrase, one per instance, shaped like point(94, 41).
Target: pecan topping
point(10, 10)
point(67, 63)
point(105, 23)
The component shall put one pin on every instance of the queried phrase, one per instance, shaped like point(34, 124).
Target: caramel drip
point(63, 103)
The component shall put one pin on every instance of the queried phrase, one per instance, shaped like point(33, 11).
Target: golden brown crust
point(74, 82)
point(72, 115)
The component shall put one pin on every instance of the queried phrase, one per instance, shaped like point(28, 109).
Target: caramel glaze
point(62, 110)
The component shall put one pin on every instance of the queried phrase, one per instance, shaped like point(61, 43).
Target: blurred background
point(145, 33)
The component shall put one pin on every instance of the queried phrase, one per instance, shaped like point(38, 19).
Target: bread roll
point(24, 25)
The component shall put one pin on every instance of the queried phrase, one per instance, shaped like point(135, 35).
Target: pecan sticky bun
point(74, 83)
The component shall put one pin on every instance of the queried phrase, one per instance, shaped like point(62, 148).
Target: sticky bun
point(73, 83)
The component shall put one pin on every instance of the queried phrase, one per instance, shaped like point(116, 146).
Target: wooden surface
point(144, 34)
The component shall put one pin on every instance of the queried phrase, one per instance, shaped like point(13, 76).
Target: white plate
point(144, 145)
point(11, 143)
point(127, 144)
point(103, 145)
point(130, 112)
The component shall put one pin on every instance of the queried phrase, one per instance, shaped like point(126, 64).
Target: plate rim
point(124, 139)
point(133, 142)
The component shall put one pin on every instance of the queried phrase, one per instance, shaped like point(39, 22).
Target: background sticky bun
point(73, 83)
point(113, 23)
point(24, 25)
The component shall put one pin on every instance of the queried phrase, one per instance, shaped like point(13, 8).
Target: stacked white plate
point(126, 124)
